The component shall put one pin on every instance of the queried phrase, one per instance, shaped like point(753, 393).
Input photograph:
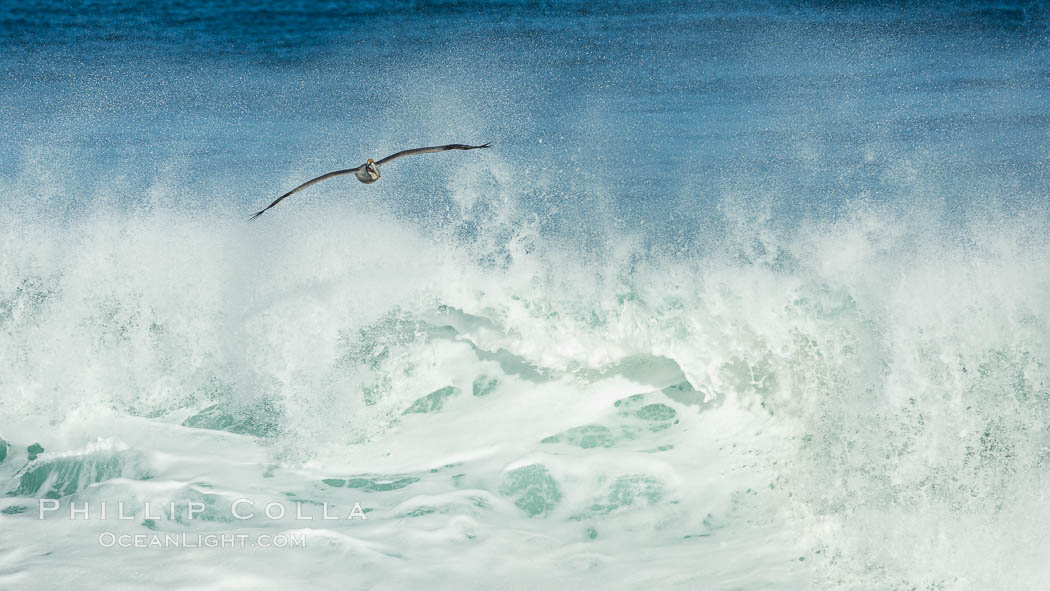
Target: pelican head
point(369, 173)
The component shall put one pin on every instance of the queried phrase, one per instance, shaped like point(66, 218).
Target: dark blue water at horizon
point(661, 109)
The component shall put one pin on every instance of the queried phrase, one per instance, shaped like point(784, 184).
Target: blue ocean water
point(744, 295)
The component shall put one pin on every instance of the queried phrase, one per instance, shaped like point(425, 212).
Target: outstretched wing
point(303, 186)
point(430, 149)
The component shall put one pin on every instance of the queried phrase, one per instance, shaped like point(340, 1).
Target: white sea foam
point(856, 402)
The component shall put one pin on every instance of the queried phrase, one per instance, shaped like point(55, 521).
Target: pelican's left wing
point(430, 149)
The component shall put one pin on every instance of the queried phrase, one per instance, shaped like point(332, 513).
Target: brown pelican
point(369, 171)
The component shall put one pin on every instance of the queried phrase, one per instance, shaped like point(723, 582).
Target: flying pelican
point(369, 171)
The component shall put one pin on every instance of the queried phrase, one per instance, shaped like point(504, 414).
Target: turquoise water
point(748, 297)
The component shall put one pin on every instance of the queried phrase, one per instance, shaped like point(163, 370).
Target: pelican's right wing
point(303, 186)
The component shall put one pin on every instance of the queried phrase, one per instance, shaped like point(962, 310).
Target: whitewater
point(659, 336)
